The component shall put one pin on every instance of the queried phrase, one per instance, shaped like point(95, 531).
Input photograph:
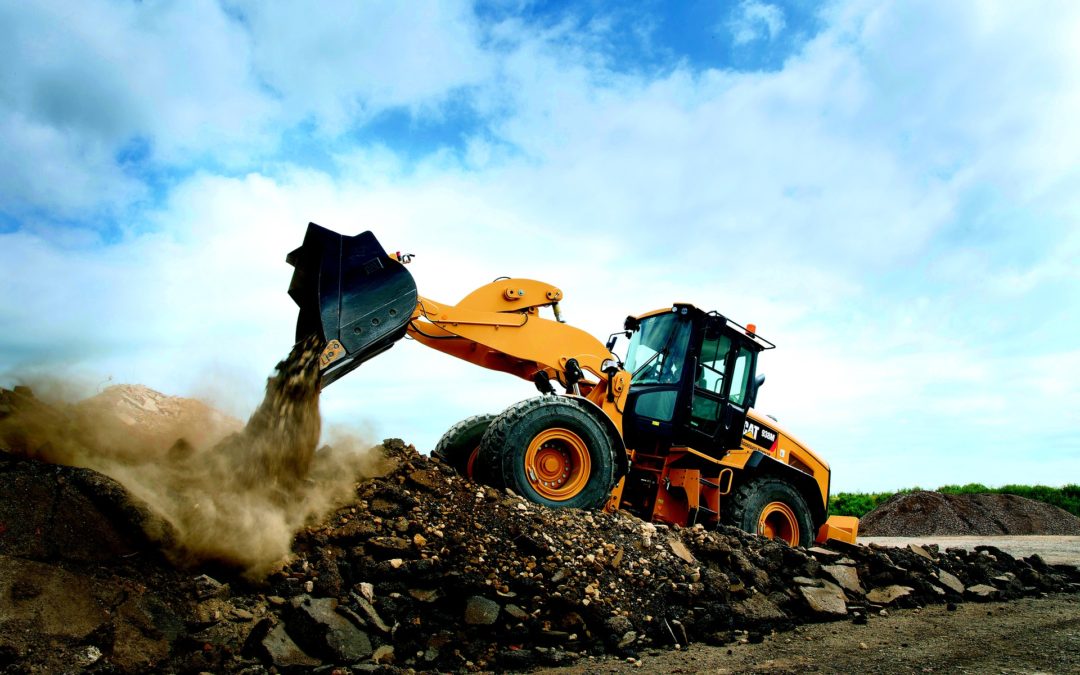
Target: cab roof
point(750, 331)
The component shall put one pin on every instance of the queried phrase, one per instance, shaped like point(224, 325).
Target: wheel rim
point(470, 464)
point(557, 464)
point(778, 521)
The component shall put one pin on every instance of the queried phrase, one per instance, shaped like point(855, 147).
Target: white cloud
point(863, 205)
point(195, 84)
point(70, 173)
point(82, 81)
point(345, 61)
point(754, 20)
point(980, 71)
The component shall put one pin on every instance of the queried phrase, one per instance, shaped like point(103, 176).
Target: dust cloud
point(222, 491)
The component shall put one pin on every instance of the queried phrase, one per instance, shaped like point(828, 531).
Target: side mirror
point(759, 380)
point(615, 336)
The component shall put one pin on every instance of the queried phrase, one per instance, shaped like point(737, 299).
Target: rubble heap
point(922, 513)
point(438, 572)
point(428, 570)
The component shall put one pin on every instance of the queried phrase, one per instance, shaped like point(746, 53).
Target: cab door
point(658, 358)
point(725, 369)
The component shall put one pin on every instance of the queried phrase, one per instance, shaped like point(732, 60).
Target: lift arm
point(498, 326)
point(361, 301)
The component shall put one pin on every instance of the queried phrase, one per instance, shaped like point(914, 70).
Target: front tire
point(551, 451)
point(460, 445)
point(772, 508)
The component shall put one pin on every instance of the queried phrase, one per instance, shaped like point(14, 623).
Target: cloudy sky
point(889, 190)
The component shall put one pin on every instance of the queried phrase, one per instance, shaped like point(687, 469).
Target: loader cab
point(693, 377)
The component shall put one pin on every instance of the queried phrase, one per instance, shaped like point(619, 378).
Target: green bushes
point(858, 504)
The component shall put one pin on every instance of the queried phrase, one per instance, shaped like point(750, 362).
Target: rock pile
point(427, 570)
point(439, 572)
point(920, 514)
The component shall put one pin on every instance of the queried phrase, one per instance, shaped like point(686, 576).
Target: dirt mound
point(921, 514)
point(79, 573)
point(50, 512)
point(424, 569)
point(420, 569)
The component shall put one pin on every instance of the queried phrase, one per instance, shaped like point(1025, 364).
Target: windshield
point(657, 351)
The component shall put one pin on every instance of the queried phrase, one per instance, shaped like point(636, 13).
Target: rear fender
point(761, 464)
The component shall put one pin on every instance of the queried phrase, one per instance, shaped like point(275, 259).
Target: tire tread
point(490, 462)
point(739, 502)
point(446, 448)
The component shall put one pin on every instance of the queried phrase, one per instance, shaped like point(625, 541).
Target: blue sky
point(890, 190)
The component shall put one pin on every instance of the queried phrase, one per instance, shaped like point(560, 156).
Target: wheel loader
point(669, 433)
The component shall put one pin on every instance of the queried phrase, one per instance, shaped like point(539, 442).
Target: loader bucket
point(352, 293)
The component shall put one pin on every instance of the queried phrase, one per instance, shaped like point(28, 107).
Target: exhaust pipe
point(352, 295)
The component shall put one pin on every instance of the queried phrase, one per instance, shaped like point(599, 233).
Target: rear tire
point(551, 451)
point(460, 445)
point(773, 508)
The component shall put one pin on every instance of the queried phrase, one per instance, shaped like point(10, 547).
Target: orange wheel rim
point(470, 464)
point(778, 521)
point(557, 464)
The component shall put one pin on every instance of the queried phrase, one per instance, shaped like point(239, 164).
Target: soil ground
point(1025, 636)
point(1056, 550)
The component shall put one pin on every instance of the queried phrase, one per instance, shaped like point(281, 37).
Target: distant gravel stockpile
point(919, 514)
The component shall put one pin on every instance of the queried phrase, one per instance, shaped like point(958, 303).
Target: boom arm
point(498, 326)
point(361, 301)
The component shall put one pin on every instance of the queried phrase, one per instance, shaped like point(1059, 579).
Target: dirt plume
point(235, 498)
point(134, 421)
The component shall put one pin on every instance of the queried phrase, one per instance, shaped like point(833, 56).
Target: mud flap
point(350, 292)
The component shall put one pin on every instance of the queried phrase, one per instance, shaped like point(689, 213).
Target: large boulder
point(319, 629)
point(51, 512)
point(825, 600)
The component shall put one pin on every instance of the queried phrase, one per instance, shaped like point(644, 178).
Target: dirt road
point(1054, 550)
point(1024, 636)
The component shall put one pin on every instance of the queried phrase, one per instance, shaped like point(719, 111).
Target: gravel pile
point(417, 569)
point(920, 514)
point(426, 570)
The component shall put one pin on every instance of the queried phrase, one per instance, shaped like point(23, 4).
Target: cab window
point(657, 351)
point(705, 413)
point(710, 374)
point(740, 376)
